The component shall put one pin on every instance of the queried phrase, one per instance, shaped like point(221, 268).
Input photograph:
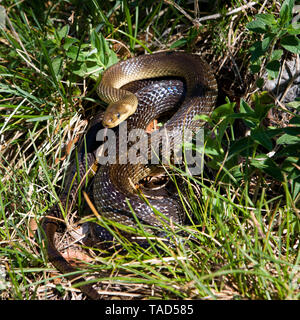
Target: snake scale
point(113, 183)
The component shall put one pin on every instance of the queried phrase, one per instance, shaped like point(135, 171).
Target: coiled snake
point(113, 183)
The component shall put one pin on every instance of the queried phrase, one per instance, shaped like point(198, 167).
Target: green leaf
point(57, 66)
point(289, 150)
point(223, 110)
point(294, 131)
point(294, 104)
point(260, 82)
point(266, 41)
point(256, 51)
point(112, 59)
point(261, 108)
point(286, 11)
point(250, 119)
point(178, 43)
point(276, 54)
point(258, 26)
point(93, 68)
point(296, 189)
point(288, 164)
point(63, 32)
point(69, 42)
point(268, 166)
point(203, 117)
point(40, 118)
point(255, 68)
point(76, 54)
point(129, 22)
point(241, 145)
point(273, 69)
point(294, 28)
point(245, 108)
point(294, 174)
point(266, 18)
point(291, 43)
point(260, 137)
point(295, 120)
point(79, 69)
point(98, 44)
point(262, 98)
point(212, 147)
point(106, 57)
point(288, 139)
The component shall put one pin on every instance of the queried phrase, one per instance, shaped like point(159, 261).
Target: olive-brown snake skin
point(111, 187)
point(114, 183)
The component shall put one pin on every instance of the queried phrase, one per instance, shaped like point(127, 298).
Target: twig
point(122, 44)
point(30, 64)
point(256, 223)
point(175, 5)
point(291, 80)
point(262, 7)
point(235, 66)
point(233, 11)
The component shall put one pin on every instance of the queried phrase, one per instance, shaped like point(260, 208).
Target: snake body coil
point(114, 183)
point(111, 186)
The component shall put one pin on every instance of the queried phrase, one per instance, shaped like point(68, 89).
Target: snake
point(113, 185)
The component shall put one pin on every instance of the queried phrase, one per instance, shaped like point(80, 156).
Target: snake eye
point(118, 115)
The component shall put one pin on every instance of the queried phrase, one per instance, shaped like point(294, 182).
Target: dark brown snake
point(113, 183)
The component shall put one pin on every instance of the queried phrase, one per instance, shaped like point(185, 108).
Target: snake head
point(116, 113)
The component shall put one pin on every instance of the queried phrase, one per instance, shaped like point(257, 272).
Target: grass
point(241, 240)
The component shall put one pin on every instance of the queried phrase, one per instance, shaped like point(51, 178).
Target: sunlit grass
point(241, 239)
